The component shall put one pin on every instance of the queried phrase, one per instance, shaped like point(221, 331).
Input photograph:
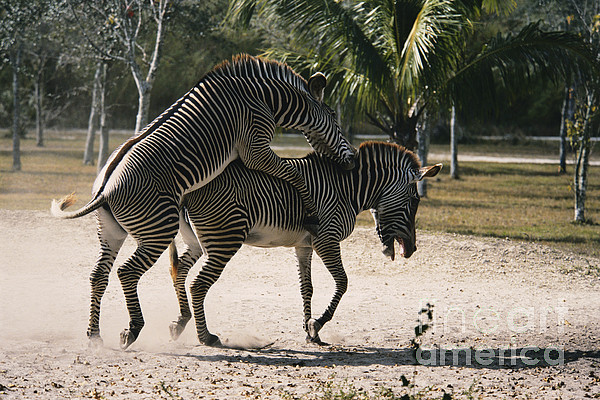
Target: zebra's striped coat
point(232, 112)
point(244, 206)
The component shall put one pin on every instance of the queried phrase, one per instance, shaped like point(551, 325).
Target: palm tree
point(397, 58)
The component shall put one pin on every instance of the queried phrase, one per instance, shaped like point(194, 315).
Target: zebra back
point(339, 194)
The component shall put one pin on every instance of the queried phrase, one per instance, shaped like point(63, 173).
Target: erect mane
point(392, 148)
point(244, 65)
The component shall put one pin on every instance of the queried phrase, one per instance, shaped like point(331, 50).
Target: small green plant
point(166, 389)
point(330, 390)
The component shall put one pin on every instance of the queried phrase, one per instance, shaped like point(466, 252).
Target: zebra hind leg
point(129, 274)
point(111, 236)
point(180, 267)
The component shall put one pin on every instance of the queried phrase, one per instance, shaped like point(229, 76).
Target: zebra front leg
point(304, 257)
point(111, 237)
point(180, 267)
point(331, 257)
point(262, 158)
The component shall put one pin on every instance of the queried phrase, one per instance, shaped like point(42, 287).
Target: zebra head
point(395, 212)
point(320, 126)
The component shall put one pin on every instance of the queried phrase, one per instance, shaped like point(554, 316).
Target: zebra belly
point(270, 236)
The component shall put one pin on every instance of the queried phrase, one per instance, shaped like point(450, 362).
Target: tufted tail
point(174, 260)
point(58, 206)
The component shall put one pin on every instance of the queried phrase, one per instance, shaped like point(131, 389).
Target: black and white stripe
point(232, 112)
point(244, 206)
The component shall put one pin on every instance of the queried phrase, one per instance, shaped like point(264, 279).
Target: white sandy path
point(509, 293)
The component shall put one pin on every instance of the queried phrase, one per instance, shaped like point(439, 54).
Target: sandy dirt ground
point(511, 320)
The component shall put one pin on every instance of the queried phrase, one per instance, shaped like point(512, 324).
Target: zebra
point(232, 112)
point(249, 207)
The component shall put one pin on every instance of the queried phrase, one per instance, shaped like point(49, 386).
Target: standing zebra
point(244, 206)
point(232, 112)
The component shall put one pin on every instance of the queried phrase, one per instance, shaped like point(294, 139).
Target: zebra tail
point(58, 206)
point(174, 260)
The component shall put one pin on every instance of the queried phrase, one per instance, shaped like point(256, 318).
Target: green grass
point(519, 201)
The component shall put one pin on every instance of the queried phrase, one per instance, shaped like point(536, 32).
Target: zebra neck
point(287, 104)
point(371, 179)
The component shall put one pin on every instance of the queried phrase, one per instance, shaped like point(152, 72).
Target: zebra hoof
point(312, 328)
point(212, 341)
point(316, 340)
point(311, 224)
point(127, 338)
point(177, 327)
point(95, 341)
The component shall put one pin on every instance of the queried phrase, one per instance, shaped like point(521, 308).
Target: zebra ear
point(426, 172)
point(316, 85)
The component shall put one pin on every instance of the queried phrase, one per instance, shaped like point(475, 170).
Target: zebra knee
point(99, 276)
point(127, 275)
point(200, 286)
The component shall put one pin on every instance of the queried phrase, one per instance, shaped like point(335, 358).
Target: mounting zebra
point(232, 112)
point(249, 207)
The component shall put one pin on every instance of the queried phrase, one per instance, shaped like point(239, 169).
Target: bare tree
point(88, 154)
point(40, 51)
point(585, 119)
point(567, 113)
point(423, 149)
point(118, 29)
point(15, 62)
point(587, 95)
point(17, 18)
point(103, 148)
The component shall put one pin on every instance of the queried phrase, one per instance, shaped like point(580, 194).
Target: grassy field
point(517, 201)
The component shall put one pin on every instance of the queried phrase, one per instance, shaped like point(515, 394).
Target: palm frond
point(503, 7)
point(240, 12)
point(420, 25)
point(343, 29)
point(513, 61)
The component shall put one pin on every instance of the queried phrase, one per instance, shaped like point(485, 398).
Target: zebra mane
point(383, 150)
point(244, 65)
point(391, 150)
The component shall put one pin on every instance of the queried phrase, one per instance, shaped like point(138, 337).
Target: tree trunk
point(144, 85)
point(581, 175)
point(16, 64)
point(39, 118)
point(404, 133)
point(88, 154)
point(422, 134)
point(141, 119)
point(583, 162)
point(103, 148)
point(568, 110)
point(453, 145)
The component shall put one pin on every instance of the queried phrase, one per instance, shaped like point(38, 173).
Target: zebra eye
point(329, 110)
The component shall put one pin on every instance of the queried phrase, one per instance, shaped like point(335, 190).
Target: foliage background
point(197, 40)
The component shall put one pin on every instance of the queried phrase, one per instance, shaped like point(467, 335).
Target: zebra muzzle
point(389, 249)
